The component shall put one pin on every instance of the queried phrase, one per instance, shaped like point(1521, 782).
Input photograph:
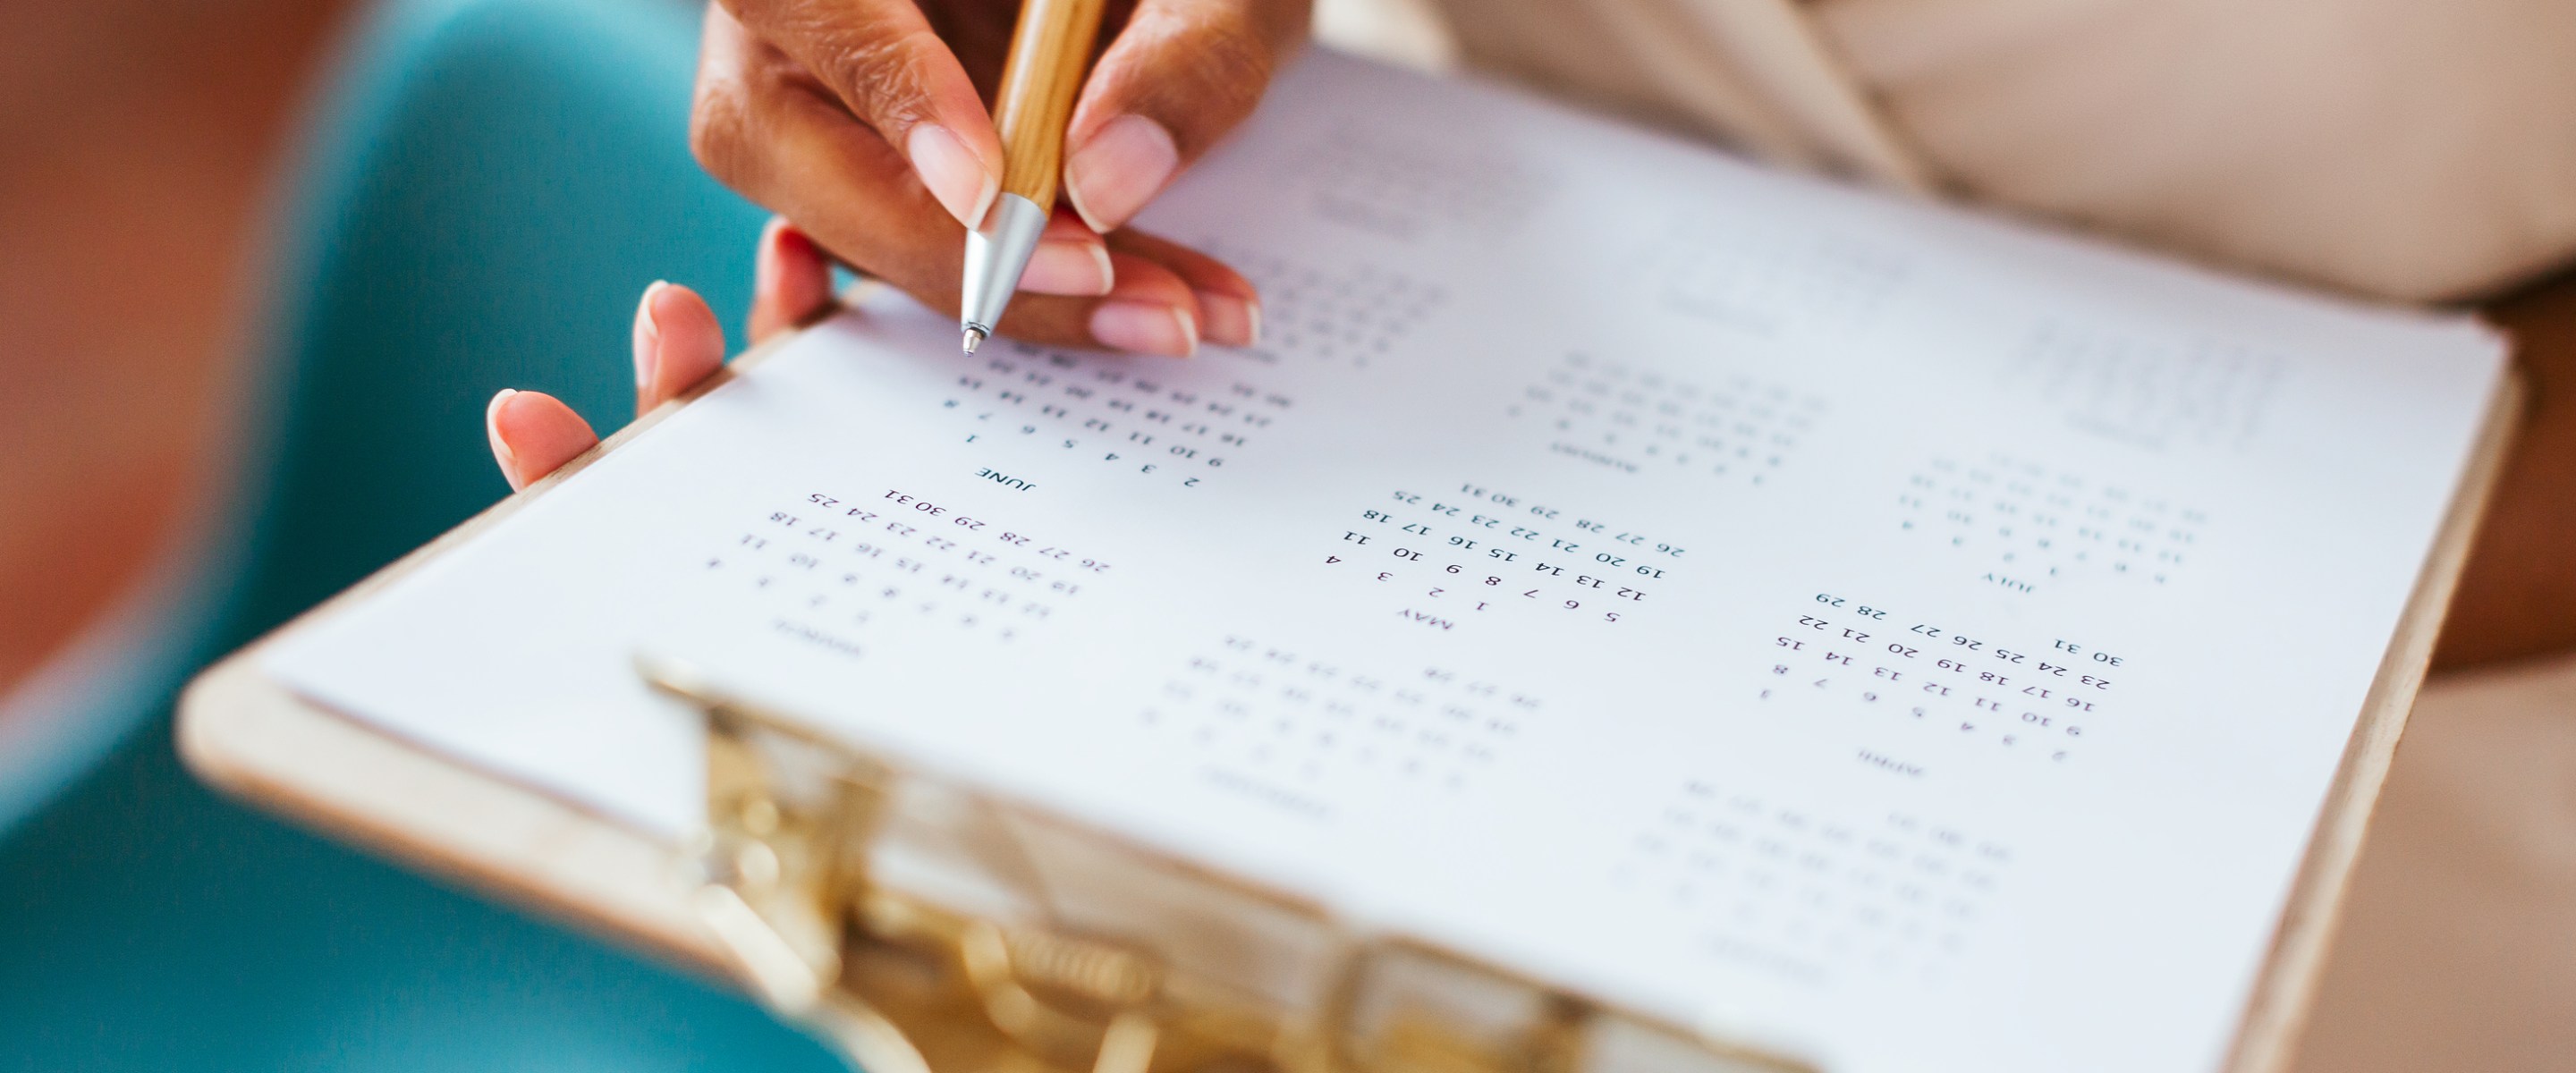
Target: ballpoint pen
point(1049, 48)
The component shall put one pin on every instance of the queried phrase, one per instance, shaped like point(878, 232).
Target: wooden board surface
point(250, 736)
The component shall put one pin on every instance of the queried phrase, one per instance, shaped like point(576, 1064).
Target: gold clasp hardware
point(923, 926)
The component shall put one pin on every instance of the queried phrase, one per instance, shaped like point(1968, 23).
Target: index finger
point(890, 69)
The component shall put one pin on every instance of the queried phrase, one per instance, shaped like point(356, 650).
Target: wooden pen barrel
point(1050, 50)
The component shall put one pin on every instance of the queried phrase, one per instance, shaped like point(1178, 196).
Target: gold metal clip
point(922, 926)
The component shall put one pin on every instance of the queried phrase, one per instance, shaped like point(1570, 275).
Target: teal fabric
point(486, 187)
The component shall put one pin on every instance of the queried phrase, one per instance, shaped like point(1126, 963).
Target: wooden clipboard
point(252, 737)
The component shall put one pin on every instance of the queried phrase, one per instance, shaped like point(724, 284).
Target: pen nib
point(974, 338)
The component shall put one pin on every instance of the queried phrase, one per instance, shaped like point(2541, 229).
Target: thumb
point(1180, 74)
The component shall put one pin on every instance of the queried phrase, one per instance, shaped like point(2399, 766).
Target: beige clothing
point(2406, 149)
point(2457, 949)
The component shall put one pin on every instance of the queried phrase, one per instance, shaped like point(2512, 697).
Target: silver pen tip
point(974, 338)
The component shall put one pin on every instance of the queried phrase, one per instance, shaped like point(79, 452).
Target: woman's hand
point(861, 121)
point(677, 344)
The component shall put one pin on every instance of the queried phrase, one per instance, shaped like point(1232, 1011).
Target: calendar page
point(1915, 640)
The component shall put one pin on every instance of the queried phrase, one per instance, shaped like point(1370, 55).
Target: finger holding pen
point(1192, 66)
point(1179, 75)
point(1176, 78)
point(772, 130)
point(1050, 47)
point(883, 63)
point(855, 119)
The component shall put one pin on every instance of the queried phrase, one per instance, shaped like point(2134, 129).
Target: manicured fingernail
point(1228, 320)
point(1079, 268)
point(955, 175)
point(648, 336)
point(500, 447)
point(1145, 327)
point(1123, 165)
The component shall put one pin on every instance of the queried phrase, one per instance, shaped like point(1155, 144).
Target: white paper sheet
point(1923, 639)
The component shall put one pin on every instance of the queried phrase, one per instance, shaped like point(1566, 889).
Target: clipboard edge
point(251, 737)
point(2285, 988)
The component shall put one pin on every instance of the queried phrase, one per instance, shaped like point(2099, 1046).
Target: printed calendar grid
point(1410, 189)
point(1928, 685)
point(1178, 427)
point(832, 571)
point(1475, 552)
point(1807, 893)
point(1299, 724)
point(1639, 420)
point(2029, 525)
point(1350, 315)
point(2145, 391)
